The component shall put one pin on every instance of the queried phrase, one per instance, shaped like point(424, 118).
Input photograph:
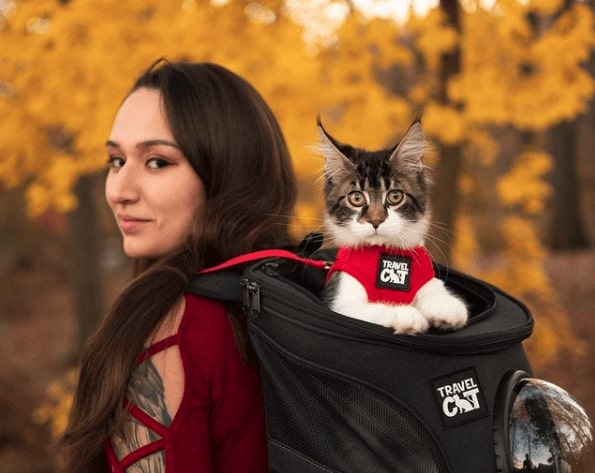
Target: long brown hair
point(234, 143)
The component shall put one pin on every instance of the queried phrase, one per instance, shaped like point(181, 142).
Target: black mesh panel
point(338, 423)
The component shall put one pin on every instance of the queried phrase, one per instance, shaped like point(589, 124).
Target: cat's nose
point(375, 215)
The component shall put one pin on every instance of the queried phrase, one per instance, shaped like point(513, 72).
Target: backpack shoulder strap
point(224, 286)
point(223, 283)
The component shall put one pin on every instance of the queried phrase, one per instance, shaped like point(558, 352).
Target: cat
point(378, 215)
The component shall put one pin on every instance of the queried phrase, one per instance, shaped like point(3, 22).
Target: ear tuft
point(335, 162)
point(410, 151)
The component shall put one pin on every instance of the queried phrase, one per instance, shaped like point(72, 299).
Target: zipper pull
point(251, 299)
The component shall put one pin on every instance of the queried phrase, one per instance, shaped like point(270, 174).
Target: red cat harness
point(388, 274)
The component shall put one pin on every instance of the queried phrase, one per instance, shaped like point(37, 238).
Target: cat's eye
point(394, 197)
point(356, 198)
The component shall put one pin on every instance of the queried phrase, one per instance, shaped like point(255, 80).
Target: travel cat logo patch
point(394, 272)
point(459, 398)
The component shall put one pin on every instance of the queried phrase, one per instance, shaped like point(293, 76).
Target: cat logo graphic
point(459, 398)
point(394, 272)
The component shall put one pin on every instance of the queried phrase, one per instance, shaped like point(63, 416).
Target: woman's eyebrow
point(146, 144)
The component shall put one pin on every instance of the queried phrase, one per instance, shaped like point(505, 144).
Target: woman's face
point(151, 187)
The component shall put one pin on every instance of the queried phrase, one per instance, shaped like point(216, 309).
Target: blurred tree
point(85, 255)
point(586, 164)
point(448, 170)
point(586, 145)
point(566, 226)
point(534, 83)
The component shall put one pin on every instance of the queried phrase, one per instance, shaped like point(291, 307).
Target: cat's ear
point(335, 162)
point(410, 151)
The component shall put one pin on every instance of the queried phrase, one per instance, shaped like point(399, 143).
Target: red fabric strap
point(261, 254)
point(112, 459)
point(142, 452)
point(157, 347)
point(145, 418)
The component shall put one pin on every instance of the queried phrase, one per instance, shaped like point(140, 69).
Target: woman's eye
point(356, 198)
point(157, 163)
point(115, 162)
point(394, 197)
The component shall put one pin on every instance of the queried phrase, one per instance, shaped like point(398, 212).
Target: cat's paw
point(407, 320)
point(442, 309)
point(446, 312)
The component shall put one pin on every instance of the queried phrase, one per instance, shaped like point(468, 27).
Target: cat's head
point(376, 197)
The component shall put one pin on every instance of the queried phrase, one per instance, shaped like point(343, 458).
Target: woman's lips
point(131, 224)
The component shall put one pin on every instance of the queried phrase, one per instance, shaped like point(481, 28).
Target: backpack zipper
point(251, 298)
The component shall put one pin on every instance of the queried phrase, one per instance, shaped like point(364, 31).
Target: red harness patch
point(389, 275)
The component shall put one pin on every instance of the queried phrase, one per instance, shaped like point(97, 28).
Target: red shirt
point(219, 426)
point(389, 275)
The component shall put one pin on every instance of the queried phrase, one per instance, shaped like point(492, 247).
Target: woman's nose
point(121, 186)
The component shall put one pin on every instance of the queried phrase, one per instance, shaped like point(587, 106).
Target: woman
point(199, 172)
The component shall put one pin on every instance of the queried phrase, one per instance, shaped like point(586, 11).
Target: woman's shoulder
point(204, 314)
point(205, 324)
point(200, 306)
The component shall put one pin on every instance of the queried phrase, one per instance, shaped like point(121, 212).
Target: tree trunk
point(445, 198)
point(567, 230)
point(85, 259)
point(586, 151)
point(566, 226)
point(586, 165)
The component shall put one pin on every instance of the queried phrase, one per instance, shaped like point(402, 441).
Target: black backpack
point(346, 396)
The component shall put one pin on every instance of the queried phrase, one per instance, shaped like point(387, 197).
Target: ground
point(37, 334)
